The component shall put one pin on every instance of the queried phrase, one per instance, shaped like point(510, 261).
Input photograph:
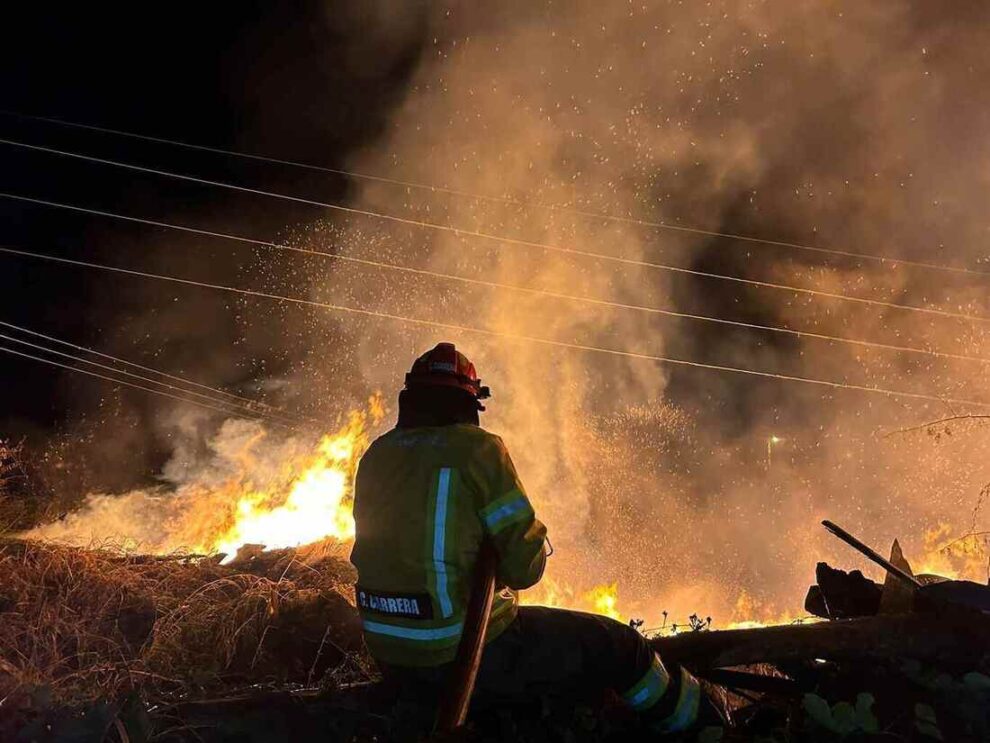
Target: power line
point(497, 238)
point(659, 225)
point(512, 287)
point(247, 401)
point(243, 409)
point(498, 334)
point(151, 390)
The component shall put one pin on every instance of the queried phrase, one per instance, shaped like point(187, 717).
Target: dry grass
point(96, 624)
point(11, 472)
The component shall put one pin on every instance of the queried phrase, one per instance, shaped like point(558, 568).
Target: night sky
point(256, 77)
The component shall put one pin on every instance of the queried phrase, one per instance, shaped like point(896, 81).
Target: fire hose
point(456, 698)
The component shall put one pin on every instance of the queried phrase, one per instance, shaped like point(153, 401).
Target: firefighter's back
point(416, 507)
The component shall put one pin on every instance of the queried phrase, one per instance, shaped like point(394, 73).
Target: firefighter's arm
point(509, 521)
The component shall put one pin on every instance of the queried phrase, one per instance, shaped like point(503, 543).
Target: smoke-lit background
point(857, 127)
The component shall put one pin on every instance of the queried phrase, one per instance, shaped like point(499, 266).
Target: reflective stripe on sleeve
point(509, 509)
point(686, 711)
point(414, 633)
point(440, 542)
point(648, 690)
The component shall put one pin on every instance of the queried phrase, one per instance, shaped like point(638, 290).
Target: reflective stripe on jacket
point(424, 499)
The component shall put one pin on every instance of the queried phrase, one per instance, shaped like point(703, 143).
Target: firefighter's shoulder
point(478, 438)
point(483, 446)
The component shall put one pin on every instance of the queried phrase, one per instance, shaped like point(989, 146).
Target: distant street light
point(771, 442)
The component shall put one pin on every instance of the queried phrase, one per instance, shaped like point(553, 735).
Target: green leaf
point(925, 721)
point(865, 719)
point(844, 718)
point(864, 701)
point(925, 713)
point(819, 711)
point(926, 728)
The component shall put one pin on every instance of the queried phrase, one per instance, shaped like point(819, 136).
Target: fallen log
point(946, 637)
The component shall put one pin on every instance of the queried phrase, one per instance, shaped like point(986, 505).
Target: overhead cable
point(242, 409)
point(500, 334)
point(121, 382)
point(524, 203)
point(216, 391)
point(511, 287)
point(493, 237)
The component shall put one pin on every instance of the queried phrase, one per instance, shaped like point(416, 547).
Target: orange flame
point(751, 613)
point(601, 599)
point(318, 502)
point(604, 600)
point(958, 558)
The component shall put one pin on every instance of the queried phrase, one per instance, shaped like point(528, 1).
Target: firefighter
point(426, 494)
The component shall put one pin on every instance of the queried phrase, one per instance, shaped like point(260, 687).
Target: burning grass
point(81, 625)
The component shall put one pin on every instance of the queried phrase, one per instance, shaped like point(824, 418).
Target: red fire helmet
point(445, 366)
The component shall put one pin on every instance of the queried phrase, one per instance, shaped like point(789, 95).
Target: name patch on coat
point(408, 605)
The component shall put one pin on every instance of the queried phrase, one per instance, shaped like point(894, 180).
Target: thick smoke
point(195, 501)
point(843, 125)
point(856, 126)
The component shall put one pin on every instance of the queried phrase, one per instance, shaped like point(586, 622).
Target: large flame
point(251, 486)
point(318, 504)
point(318, 501)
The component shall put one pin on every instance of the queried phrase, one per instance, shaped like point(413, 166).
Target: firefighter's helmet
point(445, 366)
